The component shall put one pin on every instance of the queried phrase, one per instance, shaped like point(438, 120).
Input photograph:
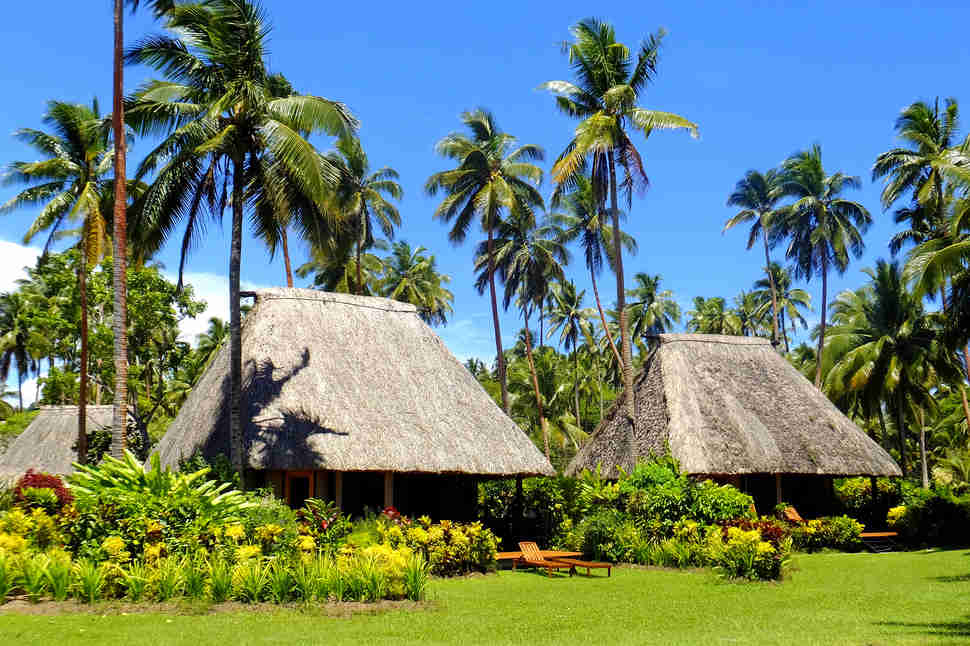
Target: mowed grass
point(905, 598)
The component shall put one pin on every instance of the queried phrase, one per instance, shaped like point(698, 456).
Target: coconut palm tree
point(360, 196)
point(712, 316)
point(15, 341)
point(410, 276)
point(569, 317)
point(209, 342)
point(823, 228)
point(790, 301)
point(885, 347)
point(609, 83)
point(584, 219)
point(749, 313)
point(229, 141)
point(652, 311)
point(73, 184)
point(758, 195)
point(492, 178)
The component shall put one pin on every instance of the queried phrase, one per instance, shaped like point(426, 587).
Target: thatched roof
point(349, 383)
point(732, 405)
point(47, 444)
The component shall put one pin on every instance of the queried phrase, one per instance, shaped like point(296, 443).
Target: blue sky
point(762, 80)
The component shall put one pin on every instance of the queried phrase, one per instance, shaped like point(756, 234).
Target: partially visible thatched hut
point(733, 409)
point(357, 400)
point(48, 443)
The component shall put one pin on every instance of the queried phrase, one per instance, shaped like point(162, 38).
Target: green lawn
point(909, 598)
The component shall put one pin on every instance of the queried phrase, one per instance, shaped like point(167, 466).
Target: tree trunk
point(236, 440)
point(542, 329)
point(966, 359)
point(774, 294)
point(82, 395)
point(500, 356)
point(606, 328)
point(576, 383)
point(535, 385)
point(784, 330)
point(884, 438)
point(286, 258)
point(901, 432)
point(821, 334)
point(924, 470)
point(20, 390)
point(360, 280)
point(626, 365)
point(119, 422)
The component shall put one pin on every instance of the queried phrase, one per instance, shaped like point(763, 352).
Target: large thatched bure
point(48, 443)
point(734, 409)
point(355, 399)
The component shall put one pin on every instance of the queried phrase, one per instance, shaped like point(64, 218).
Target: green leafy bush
point(833, 532)
point(931, 517)
point(450, 548)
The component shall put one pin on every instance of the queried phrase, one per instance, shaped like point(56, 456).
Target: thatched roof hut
point(731, 406)
point(47, 444)
point(340, 383)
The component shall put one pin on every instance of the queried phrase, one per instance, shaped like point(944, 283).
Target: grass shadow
point(958, 628)
point(955, 578)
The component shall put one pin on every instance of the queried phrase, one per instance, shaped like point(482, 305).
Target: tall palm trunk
point(576, 383)
point(499, 355)
point(784, 329)
point(606, 328)
point(626, 365)
point(286, 257)
point(82, 395)
point(885, 432)
point(774, 293)
point(236, 443)
point(924, 469)
point(535, 385)
point(901, 430)
point(821, 334)
point(966, 359)
point(119, 422)
point(20, 390)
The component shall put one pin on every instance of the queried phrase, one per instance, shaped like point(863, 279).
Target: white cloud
point(214, 290)
point(13, 258)
point(467, 338)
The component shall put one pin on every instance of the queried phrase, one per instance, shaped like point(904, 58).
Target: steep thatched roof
point(349, 383)
point(732, 405)
point(47, 444)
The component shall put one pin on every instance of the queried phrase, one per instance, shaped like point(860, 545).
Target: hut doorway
point(298, 486)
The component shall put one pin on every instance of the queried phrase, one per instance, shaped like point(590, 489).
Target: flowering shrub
point(450, 548)
point(742, 554)
point(835, 532)
point(42, 490)
point(324, 523)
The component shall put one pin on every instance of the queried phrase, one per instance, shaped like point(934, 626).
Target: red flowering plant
point(392, 515)
point(42, 490)
point(324, 521)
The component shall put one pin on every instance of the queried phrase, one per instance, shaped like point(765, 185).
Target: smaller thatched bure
point(48, 443)
point(340, 383)
point(731, 406)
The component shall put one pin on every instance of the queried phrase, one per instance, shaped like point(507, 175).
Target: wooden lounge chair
point(579, 563)
point(531, 556)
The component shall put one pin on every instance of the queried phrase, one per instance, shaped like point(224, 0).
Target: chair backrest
point(792, 516)
point(530, 550)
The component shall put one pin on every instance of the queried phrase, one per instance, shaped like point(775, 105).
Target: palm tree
point(73, 184)
point(604, 97)
point(712, 316)
point(824, 229)
point(758, 195)
point(886, 348)
point(209, 342)
point(229, 140)
point(410, 276)
point(491, 178)
point(789, 301)
point(585, 219)
point(748, 313)
point(652, 311)
point(569, 317)
point(334, 268)
point(360, 195)
point(15, 336)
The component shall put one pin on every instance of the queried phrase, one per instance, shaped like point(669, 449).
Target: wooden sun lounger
point(579, 563)
point(532, 557)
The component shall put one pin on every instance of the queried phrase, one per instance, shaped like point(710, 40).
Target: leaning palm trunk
point(286, 257)
point(626, 365)
point(236, 444)
point(774, 294)
point(821, 334)
point(82, 396)
point(119, 422)
point(606, 328)
point(499, 355)
point(535, 386)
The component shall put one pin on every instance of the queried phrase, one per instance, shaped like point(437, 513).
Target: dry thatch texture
point(732, 405)
point(47, 444)
point(349, 383)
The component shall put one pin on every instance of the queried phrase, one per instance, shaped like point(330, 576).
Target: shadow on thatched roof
point(349, 383)
point(731, 405)
point(47, 444)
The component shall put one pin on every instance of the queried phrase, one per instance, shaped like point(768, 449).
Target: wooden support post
point(778, 498)
point(338, 485)
point(388, 489)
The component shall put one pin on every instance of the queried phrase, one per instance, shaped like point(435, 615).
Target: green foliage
point(220, 580)
point(89, 580)
point(7, 582)
point(281, 582)
point(250, 579)
point(58, 571)
point(417, 576)
point(136, 580)
point(32, 575)
point(450, 548)
point(194, 577)
point(324, 521)
point(834, 532)
point(167, 578)
point(931, 517)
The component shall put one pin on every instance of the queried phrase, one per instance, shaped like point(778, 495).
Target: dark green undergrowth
point(903, 598)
